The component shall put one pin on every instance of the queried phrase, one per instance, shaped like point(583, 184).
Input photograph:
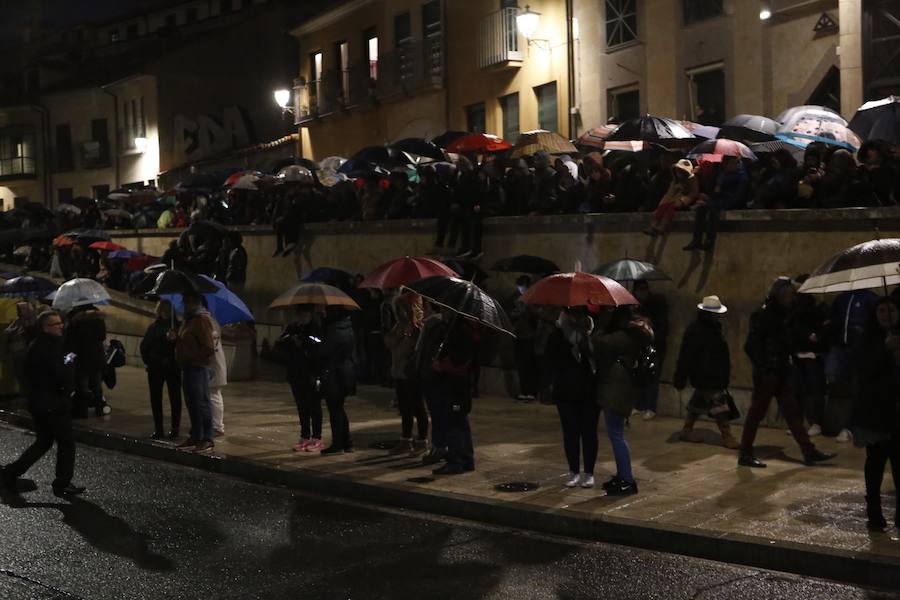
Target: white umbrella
point(79, 292)
point(871, 265)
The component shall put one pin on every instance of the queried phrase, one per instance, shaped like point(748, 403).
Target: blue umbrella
point(27, 286)
point(124, 253)
point(224, 305)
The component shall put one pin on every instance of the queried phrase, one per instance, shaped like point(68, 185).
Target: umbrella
point(333, 277)
point(118, 213)
point(26, 286)
point(633, 146)
point(651, 129)
point(802, 125)
point(596, 137)
point(88, 234)
point(224, 305)
point(172, 281)
point(22, 251)
point(627, 269)
point(419, 147)
point(243, 180)
point(749, 128)
point(105, 246)
point(478, 143)
point(776, 145)
point(715, 150)
point(542, 141)
point(403, 271)
point(294, 174)
point(874, 264)
point(578, 289)
point(123, 253)
point(524, 263)
point(448, 137)
point(79, 292)
point(465, 299)
point(63, 240)
point(199, 181)
point(332, 163)
point(384, 156)
point(357, 168)
point(314, 293)
point(878, 120)
point(68, 209)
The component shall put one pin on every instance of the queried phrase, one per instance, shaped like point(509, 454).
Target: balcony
point(409, 69)
point(499, 46)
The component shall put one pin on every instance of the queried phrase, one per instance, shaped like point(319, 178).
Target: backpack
point(115, 354)
point(646, 367)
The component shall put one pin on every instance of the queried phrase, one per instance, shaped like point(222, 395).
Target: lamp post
point(283, 98)
point(527, 22)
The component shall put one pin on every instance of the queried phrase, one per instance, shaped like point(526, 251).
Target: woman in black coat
point(337, 357)
point(158, 354)
point(569, 359)
point(876, 414)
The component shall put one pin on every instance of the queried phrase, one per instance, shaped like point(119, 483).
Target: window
point(64, 195)
point(475, 116)
point(432, 31)
point(706, 89)
point(17, 151)
point(131, 32)
point(134, 124)
point(342, 49)
point(370, 43)
point(171, 20)
point(699, 10)
point(64, 160)
point(624, 104)
point(621, 22)
point(315, 85)
point(402, 31)
point(100, 192)
point(402, 42)
point(96, 152)
point(509, 106)
point(190, 16)
point(546, 99)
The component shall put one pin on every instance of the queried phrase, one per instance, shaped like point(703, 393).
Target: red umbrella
point(139, 263)
point(578, 289)
point(63, 240)
point(403, 271)
point(478, 142)
point(104, 245)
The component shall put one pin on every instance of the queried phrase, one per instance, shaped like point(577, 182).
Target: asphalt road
point(152, 530)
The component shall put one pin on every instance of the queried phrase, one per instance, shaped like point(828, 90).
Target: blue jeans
point(615, 429)
point(195, 382)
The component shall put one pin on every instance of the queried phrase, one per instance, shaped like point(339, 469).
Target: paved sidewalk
point(693, 498)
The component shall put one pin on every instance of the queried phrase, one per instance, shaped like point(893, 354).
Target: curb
point(860, 568)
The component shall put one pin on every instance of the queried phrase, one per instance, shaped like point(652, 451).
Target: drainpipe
point(115, 144)
point(48, 174)
point(570, 64)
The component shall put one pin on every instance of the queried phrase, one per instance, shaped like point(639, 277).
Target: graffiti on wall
point(203, 136)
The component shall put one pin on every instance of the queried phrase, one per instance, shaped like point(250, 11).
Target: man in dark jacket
point(704, 361)
point(769, 347)
point(194, 351)
point(337, 358)
point(48, 374)
point(158, 354)
point(86, 333)
point(655, 308)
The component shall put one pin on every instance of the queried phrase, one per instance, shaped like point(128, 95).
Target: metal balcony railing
point(498, 42)
point(411, 67)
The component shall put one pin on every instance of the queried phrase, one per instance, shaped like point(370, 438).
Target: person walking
point(48, 374)
point(194, 352)
point(299, 343)
point(337, 359)
point(704, 361)
point(86, 334)
point(570, 363)
point(876, 415)
point(158, 354)
point(618, 343)
point(401, 341)
point(768, 345)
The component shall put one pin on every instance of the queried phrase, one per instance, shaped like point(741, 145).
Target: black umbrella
point(37, 209)
point(660, 130)
point(524, 263)
point(173, 281)
point(447, 138)
point(878, 120)
point(383, 156)
point(419, 147)
point(749, 129)
point(18, 236)
point(287, 162)
point(869, 265)
point(84, 235)
point(467, 270)
point(627, 269)
point(465, 299)
point(27, 286)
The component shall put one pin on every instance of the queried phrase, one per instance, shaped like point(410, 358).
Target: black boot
point(876, 518)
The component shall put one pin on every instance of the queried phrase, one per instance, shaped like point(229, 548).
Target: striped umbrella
point(715, 150)
point(403, 271)
point(596, 137)
point(314, 293)
point(541, 140)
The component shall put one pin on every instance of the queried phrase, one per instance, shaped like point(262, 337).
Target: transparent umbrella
point(79, 292)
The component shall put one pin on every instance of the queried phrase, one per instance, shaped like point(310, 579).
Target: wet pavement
point(148, 529)
point(694, 488)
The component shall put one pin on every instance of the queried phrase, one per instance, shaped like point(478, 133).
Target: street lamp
point(140, 144)
point(282, 98)
point(527, 22)
point(765, 12)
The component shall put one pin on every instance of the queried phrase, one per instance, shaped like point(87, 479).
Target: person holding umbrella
point(337, 359)
point(194, 351)
point(299, 345)
point(86, 334)
point(158, 354)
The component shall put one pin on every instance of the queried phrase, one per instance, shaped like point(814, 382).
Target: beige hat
point(684, 165)
point(712, 304)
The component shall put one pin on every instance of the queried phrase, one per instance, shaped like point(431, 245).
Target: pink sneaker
point(301, 445)
point(315, 445)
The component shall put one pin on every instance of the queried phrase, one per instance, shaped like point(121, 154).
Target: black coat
point(300, 350)
point(157, 352)
point(48, 379)
point(769, 341)
point(573, 380)
point(877, 406)
point(337, 358)
point(656, 309)
point(704, 360)
point(84, 337)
